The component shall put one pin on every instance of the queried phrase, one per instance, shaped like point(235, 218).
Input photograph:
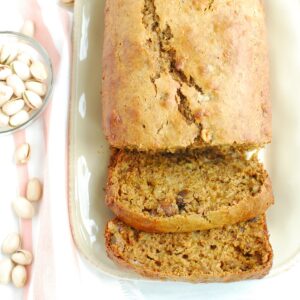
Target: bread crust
point(229, 277)
point(243, 211)
point(214, 88)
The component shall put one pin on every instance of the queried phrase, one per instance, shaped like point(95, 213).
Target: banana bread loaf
point(236, 252)
point(183, 192)
point(180, 74)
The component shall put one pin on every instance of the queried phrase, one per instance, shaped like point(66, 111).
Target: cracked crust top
point(180, 74)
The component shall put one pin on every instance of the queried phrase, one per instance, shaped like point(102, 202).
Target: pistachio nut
point(19, 276)
point(12, 107)
point(5, 71)
point(4, 119)
point(34, 190)
point(23, 208)
point(21, 69)
point(5, 53)
point(6, 267)
point(19, 118)
point(11, 243)
point(32, 100)
point(28, 28)
point(38, 71)
point(22, 153)
point(16, 83)
point(22, 257)
point(37, 87)
point(13, 55)
point(6, 93)
point(25, 58)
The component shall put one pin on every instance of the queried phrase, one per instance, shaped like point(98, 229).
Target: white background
point(86, 283)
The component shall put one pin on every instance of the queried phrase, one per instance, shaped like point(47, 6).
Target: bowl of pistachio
point(26, 81)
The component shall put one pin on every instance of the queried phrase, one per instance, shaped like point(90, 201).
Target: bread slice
point(236, 252)
point(197, 190)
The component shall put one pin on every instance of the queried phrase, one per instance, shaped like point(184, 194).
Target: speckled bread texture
point(180, 74)
point(183, 192)
point(236, 252)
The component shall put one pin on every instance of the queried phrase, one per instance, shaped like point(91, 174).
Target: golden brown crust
point(229, 277)
point(242, 211)
point(171, 83)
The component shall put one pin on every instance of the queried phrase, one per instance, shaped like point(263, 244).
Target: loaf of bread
point(185, 92)
point(183, 192)
point(236, 252)
point(180, 74)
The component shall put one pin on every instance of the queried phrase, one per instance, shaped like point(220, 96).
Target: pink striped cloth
point(58, 271)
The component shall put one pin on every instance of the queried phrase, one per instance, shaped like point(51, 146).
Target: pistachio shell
point(19, 276)
point(12, 107)
point(16, 83)
point(38, 71)
point(6, 267)
point(21, 69)
point(22, 257)
point(23, 208)
point(5, 71)
point(22, 153)
point(28, 28)
point(19, 118)
point(39, 88)
point(33, 100)
point(11, 243)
